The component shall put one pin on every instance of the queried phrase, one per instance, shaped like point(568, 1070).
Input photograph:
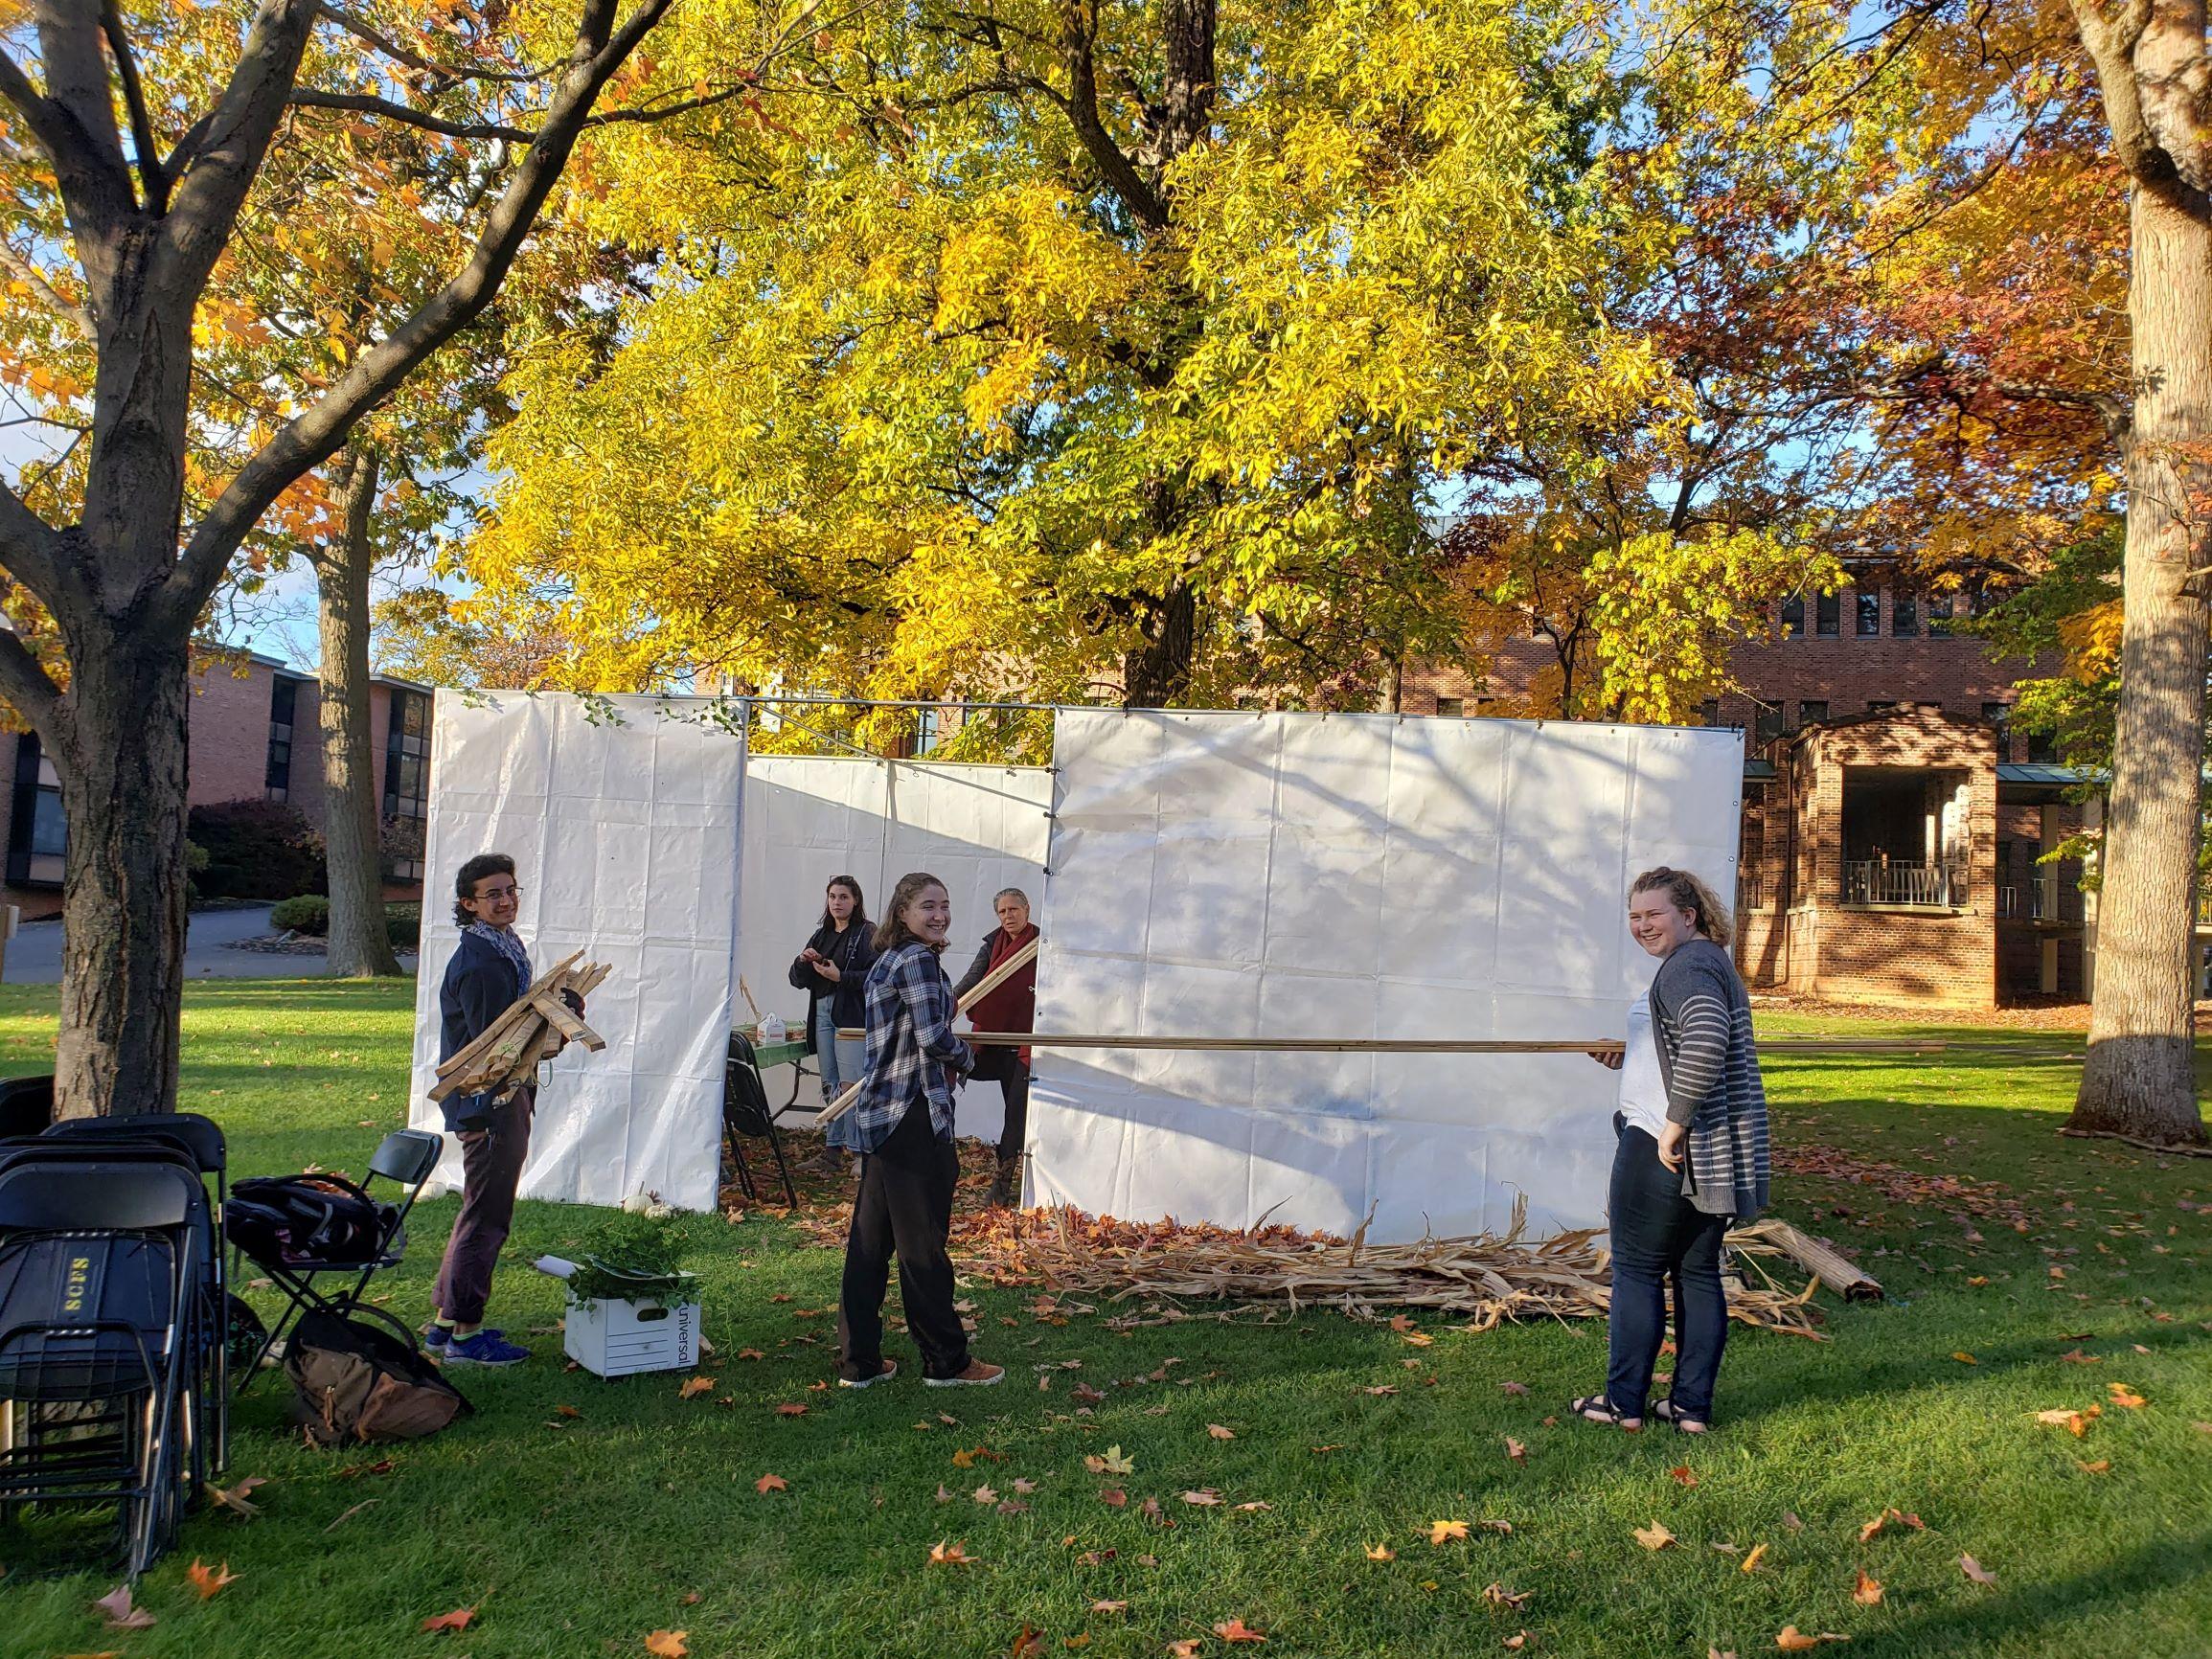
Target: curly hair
point(1688, 893)
point(465, 880)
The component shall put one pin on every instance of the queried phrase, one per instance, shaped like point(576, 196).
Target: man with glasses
point(487, 974)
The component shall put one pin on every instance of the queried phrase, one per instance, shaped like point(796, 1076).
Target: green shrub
point(310, 913)
point(403, 926)
point(257, 850)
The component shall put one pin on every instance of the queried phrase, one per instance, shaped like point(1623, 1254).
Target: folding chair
point(746, 1112)
point(101, 1264)
point(202, 1141)
point(405, 1158)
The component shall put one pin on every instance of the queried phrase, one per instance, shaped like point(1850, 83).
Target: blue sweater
point(480, 984)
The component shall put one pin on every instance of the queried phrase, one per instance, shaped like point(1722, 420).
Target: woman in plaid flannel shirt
point(901, 1127)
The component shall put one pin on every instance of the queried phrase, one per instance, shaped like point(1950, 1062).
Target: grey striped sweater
point(1701, 1020)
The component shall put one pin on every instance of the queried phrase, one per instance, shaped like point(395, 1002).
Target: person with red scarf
point(1010, 1007)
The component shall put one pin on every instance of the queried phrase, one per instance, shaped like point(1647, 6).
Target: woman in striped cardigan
point(1692, 1155)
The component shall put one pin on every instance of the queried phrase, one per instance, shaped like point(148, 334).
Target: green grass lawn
point(580, 1535)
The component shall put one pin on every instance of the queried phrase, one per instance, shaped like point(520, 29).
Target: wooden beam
point(982, 988)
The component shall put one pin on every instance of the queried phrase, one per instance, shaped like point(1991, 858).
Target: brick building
point(253, 737)
point(1892, 823)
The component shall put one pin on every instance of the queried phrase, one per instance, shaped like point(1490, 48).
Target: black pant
point(1005, 1065)
point(1661, 1238)
point(904, 1209)
point(491, 1160)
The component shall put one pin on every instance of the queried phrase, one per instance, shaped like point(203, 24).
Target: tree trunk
point(2139, 1078)
point(123, 879)
point(1158, 673)
point(358, 942)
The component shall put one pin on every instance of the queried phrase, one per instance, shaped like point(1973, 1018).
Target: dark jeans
point(1012, 1077)
point(492, 1165)
point(1661, 1238)
point(904, 1209)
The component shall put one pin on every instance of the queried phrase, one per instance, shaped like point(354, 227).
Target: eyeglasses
point(501, 892)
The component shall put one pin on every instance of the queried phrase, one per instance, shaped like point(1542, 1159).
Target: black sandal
point(1664, 1410)
point(1597, 1408)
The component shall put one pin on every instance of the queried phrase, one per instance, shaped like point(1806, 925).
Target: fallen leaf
point(688, 1599)
point(1029, 1645)
point(1322, 1451)
point(566, 1411)
point(1013, 1507)
point(234, 1498)
point(1236, 1630)
point(1751, 1561)
point(1868, 1591)
point(945, 1555)
point(983, 1494)
point(1384, 1388)
point(1111, 1462)
point(1113, 1497)
point(1653, 1536)
point(2103, 1466)
point(1109, 1606)
point(1420, 1339)
point(668, 1643)
point(205, 1580)
point(1513, 1388)
point(1975, 1570)
point(1025, 1487)
point(2124, 1397)
point(1516, 1642)
point(115, 1607)
point(768, 1484)
point(1202, 1498)
point(698, 1386)
point(1498, 1595)
point(790, 1410)
point(1381, 1553)
point(750, 1354)
point(1443, 1532)
point(1789, 1519)
point(2075, 1356)
point(943, 1496)
point(1219, 1432)
point(1794, 1640)
point(1186, 1649)
point(1681, 1473)
point(1965, 1358)
point(1256, 1504)
point(1515, 1450)
point(1080, 1640)
point(457, 1620)
point(1400, 1322)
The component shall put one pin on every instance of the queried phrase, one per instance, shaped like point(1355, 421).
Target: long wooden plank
point(982, 988)
point(491, 1034)
point(1304, 1045)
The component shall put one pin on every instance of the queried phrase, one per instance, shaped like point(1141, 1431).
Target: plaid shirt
point(910, 1042)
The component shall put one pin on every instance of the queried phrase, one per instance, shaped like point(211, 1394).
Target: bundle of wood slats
point(1488, 1279)
point(507, 1052)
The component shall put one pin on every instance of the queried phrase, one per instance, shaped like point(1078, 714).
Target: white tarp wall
point(624, 837)
point(977, 828)
point(1360, 877)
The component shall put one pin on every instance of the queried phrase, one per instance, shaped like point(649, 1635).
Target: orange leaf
point(1443, 1532)
point(668, 1643)
point(1751, 1561)
point(2103, 1466)
point(698, 1386)
point(1975, 1570)
point(205, 1580)
point(566, 1411)
point(1515, 1450)
point(1681, 1473)
point(945, 1555)
point(1868, 1591)
point(457, 1620)
point(1965, 1358)
point(1113, 1497)
point(1186, 1649)
point(1381, 1553)
point(1236, 1630)
point(1219, 1432)
point(2124, 1395)
point(1517, 1641)
point(790, 1410)
point(768, 1484)
point(1029, 1645)
point(1653, 1536)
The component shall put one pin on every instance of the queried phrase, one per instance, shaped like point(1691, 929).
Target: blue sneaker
point(436, 1336)
point(485, 1348)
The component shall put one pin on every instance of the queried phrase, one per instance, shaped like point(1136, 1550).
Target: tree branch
point(362, 103)
point(150, 173)
point(360, 30)
point(1077, 39)
point(95, 185)
point(31, 692)
point(31, 550)
point(19, 266)
point(600, 49)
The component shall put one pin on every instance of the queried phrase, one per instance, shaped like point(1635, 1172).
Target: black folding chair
point(746, 1112)
point(25, 1105)
point(101, 1265)
point(405, 1158)
point(199, 1138)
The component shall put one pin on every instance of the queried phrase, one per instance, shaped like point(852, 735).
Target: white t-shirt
point(1643, 1088)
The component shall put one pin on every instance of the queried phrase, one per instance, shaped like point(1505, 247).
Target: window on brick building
point(1827, 615)
point(1904, 615)
point(1882, 706)
point(1451, 707)
point(1793, 616)
point(39, 838)
point(2043, 749)
point(1812, 711)
point(1709, 712)
point(284, 703)
point(1869, 607)
point(407, 777)
point(1939, 613)
point(1768, 725)
point(1999, 716)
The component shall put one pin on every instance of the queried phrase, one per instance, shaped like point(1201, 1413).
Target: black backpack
point(320, 1217)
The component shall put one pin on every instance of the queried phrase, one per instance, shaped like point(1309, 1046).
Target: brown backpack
point(357, 1381)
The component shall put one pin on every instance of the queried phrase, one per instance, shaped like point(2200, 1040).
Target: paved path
point(34, 953)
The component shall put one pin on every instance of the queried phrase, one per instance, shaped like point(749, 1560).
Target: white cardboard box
point(611, 1338)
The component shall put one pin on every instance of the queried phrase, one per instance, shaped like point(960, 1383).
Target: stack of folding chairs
point(114, 1311)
